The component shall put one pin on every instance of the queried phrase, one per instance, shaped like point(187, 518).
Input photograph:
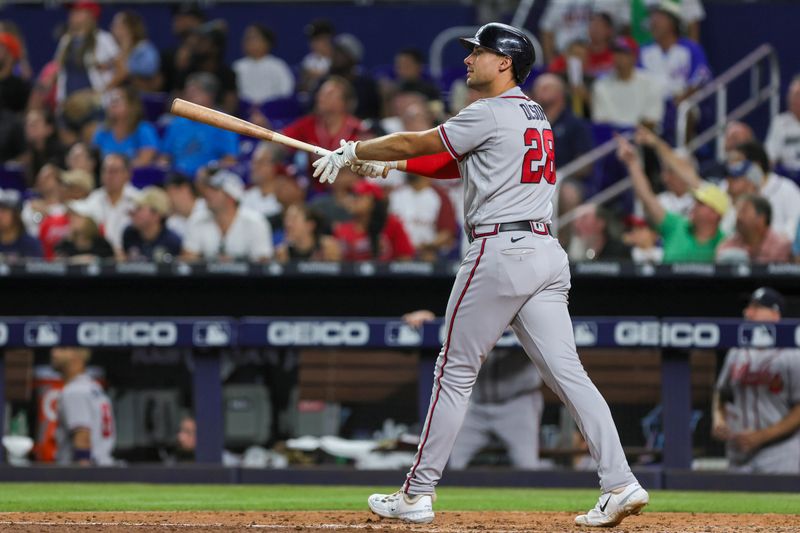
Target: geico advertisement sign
point(676, 334)
point(325, 333)
point(127, 333)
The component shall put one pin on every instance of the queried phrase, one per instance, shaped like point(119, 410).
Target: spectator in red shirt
point(585, 61)
point(331, 120)
point(598, 58)
point(373, 234)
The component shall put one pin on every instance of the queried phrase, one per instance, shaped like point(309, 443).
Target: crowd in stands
point(95, 167)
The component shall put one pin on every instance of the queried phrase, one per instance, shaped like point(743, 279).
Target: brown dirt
point(355, 521)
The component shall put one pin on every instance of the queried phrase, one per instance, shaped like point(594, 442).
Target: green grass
point(141, 497)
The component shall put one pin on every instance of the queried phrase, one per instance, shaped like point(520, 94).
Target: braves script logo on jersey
point(743, 375)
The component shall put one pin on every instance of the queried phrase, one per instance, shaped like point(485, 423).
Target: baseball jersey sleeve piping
point(447, 144)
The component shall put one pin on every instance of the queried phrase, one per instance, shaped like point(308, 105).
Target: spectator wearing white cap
point(148, 238)
point(15, 243)
point(227, 231)
point(679, 64)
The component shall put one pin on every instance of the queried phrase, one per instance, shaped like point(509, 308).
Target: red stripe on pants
point(441, 371)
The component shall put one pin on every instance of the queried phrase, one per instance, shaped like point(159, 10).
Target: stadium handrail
point(749, 64)
point(718, 86)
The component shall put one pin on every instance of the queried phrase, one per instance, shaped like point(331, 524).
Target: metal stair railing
point(718, 87)
point(764, 55)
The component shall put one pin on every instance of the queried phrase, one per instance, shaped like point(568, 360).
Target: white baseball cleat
point(612, 508)
point(416, 508)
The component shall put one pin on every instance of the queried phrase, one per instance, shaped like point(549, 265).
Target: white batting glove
point(373, 169)
point(328, 166)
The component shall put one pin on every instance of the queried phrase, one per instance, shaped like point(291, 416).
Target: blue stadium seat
point(280, 111)
point(792, 175)
point(384, 71)
point(146, 176)
point(12, 177)
point(608, 170)
point(449, 75)
point(154, 105)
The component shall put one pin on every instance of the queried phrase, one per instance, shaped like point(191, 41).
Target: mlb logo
point(401, 334)
point(585, 333)
point(42, 334)
point(757, 335)
point(211, 334)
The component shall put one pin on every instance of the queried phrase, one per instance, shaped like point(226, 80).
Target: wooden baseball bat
point(218, 119)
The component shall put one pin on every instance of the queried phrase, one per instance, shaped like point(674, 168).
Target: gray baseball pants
point(523, 283)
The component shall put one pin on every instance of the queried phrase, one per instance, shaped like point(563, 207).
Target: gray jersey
point(83, 404)
point(762, 386)
point(505, 151)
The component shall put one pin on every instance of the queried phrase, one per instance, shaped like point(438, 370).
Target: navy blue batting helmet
point(508, 41)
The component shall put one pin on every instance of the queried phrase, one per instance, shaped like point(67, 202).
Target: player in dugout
point(756, 407)
point(86, 432)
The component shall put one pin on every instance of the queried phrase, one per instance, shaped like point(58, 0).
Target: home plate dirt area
point(359, 521)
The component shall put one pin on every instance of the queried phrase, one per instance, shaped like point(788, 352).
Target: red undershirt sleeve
point(438, 166)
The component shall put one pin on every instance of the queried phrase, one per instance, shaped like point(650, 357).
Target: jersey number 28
point(540, 144)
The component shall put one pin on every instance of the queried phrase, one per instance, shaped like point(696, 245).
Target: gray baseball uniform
point(505, 152)
point(506, 402)
point(763, 386)
point(83, 404)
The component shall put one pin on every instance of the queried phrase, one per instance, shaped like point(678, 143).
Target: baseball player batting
point(514, 272)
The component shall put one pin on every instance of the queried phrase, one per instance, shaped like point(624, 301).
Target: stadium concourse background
point(238, 290)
